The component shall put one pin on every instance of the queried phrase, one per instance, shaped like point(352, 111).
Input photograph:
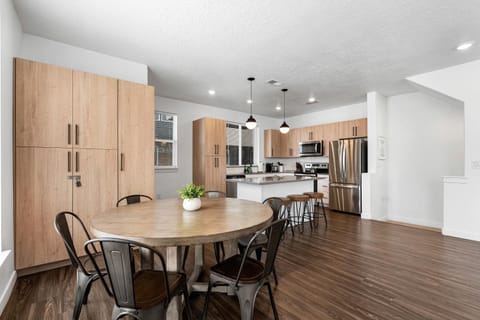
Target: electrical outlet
point(476, 164)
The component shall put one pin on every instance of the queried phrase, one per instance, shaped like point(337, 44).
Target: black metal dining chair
point(140, 293)
point(86, 272)
point(133, 198)
point(261, 241)
point(246, 276)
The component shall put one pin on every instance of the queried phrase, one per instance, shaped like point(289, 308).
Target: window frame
point(256, 147)
point(174, 141)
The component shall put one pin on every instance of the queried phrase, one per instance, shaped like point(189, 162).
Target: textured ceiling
point(334, 50)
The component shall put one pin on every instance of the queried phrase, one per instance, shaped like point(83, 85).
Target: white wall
point(57, 53)
point(350, 112)
point(167, 182)
point(375, 188)
point(461, 209)
point(426, 142)
point(11, 35)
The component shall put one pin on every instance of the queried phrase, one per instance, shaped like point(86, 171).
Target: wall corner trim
point(5, 295)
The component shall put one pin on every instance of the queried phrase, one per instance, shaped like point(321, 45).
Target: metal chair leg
point(188, 309)
point(275, 275)
point(324, 213)
point(185, 256)
point(246, 297)
point(83, 282)
point(207, 298)
point(272, 300)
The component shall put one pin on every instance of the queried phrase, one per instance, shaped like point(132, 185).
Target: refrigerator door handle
point(342, 161)
point(344, 186)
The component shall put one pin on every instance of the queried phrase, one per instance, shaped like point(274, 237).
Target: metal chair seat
point(148, 284)
point(252, 272)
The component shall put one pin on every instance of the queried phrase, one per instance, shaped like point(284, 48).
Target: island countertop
point(276, 179)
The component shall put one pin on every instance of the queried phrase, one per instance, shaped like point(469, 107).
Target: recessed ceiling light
point(278, 108)
point(211, 92)
point(249, 101)
point(312, 99)
point(465, 46)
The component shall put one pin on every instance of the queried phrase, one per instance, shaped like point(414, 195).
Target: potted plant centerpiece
point(191, 196)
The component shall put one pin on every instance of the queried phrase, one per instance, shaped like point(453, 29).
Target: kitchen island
point(258, 189)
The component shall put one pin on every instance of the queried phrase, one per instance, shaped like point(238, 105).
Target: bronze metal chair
point(246, 276)
point(86, 272)
point(141, 293)
point(133, 198)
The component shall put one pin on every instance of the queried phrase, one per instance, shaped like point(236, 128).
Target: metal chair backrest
point(276, 204)
point(133, 198)
point(274, 232)
point(215, 194)
point(120, 264)
point(63, 229)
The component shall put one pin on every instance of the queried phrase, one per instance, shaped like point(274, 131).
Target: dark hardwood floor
point(353, 270)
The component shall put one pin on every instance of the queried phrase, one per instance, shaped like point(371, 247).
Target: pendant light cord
point(251, 100)
point(284, 106)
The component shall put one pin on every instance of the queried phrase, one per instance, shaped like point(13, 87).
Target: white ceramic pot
point(192, 204)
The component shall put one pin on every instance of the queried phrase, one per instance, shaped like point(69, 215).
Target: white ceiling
point(335, 50)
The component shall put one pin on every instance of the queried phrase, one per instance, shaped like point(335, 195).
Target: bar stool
point(285, 213)
point(298, 204)
point(313, 203)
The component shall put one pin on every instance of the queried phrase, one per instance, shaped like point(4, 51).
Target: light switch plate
point(476, 164)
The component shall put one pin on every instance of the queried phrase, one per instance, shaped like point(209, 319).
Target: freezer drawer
point(345, 197)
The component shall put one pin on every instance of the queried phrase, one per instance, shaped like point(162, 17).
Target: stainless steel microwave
point(310, 149)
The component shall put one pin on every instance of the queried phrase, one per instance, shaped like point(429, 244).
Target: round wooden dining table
point(164, 223)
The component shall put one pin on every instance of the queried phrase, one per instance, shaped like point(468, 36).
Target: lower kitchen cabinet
point(42, 189)
point(97, 191)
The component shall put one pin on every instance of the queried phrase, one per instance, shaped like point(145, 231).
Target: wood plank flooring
point(354, 269)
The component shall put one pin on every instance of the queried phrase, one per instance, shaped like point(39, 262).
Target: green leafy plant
point(191, 191)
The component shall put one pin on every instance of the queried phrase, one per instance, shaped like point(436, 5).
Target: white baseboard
point(7, 291)
point(418, 222)
point(461, 234)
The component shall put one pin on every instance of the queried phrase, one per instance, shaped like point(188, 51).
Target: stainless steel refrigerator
point(348, 160)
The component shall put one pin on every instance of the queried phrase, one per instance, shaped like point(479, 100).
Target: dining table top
point(164, 222)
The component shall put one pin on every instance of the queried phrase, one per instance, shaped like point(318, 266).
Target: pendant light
point(284, 128)
point(251, 122)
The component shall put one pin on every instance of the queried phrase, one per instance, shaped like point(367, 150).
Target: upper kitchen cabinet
point(135, 138)
point(352, 128)
point(330, 133)
point(272, 146)
point(43, 105)
point(216, 131)
point(94, 111)
point(313, 133)
point(291, 143)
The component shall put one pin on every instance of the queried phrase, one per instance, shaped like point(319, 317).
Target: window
point(240, 145)
point(165, 140)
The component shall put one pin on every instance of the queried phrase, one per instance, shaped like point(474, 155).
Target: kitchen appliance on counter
point(313, 170)
point(348, 160)
point(310, 149)
point(268, 167)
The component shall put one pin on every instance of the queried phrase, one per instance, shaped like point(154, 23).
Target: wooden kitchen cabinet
point(43, 105)
point(330, 133)
point(209, 153)
point(97, 169)
point(135, 139)
point(68, 129)
point(272, 143)
point(313, 133)
point(42, 190)
point(94, 111)
point(353, 128)
point(292, 143)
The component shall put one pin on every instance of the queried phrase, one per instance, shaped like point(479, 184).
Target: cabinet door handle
point(353, 131)
point(69, 134)
point(69, 161)
point(77, 130)
point(122, 161)
point(77, 161)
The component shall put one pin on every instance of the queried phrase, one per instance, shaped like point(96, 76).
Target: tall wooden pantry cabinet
point(209, 153)
point(67, 128)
